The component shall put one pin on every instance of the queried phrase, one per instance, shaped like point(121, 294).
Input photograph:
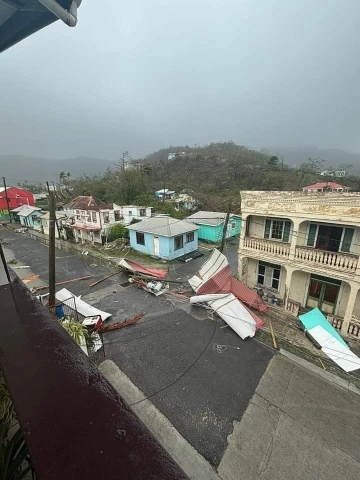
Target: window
point(233, 225)
point(178, 242)
point(142, 212)
point(269, 275)
point(130, 212)
point(106, 217)
point(277, 229)
point(117, 215)
point(94, 218)
point(190, 237)
point(329, 237)
point(140, 238)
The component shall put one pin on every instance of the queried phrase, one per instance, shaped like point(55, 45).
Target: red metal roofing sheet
point(154, 272)
point(223, 282)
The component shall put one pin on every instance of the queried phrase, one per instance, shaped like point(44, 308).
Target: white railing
point(267, 246)
point(340, 261)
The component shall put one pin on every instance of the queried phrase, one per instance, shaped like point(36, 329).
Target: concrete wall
point(256, 226)
point(299, 286)
point(166, 245)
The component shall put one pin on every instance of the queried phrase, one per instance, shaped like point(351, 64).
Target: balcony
point(268, 247)
point(343, 262)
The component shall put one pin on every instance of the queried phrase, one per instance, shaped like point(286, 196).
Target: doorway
point(323, 293)
point(156, 246)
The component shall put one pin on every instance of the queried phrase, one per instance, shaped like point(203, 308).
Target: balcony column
point(294, 237)
point(243, 232)
point(354, 287)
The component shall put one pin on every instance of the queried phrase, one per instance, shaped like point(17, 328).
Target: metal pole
point(7, 199)
point(52, 250)
point(225, 229)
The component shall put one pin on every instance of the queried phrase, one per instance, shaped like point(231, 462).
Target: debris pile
point(118, 244)
point(116, 326)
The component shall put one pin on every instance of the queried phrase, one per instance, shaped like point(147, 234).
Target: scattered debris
point(20, 230)
point(30, 278)
point(13, 261)
point(21, 266)
point(43, 287)
point(118, 325)
point(102, 279)
point(118, 244)
point(155, 287)
point(135, 267)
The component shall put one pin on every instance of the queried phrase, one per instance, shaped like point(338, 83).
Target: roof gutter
point(67, 16)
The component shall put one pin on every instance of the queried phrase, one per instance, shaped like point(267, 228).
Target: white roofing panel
point(72, 301)
point(334, 349)
point(232, 311)
point(216, 262)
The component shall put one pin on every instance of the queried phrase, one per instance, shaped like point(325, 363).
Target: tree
point(273, 161)
point(117, 231)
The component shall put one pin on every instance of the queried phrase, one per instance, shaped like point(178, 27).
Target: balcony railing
point(340, 261)
point(267, 246)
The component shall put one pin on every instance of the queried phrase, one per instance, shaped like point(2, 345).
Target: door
point(322, 295)
point(156, 246)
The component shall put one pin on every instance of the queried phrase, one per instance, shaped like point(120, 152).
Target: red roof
point(223, 282)
point(331, 185)
point(136, 267)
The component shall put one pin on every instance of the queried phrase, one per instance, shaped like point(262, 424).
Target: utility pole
point(7, 199)
point(225, 227)
point(52, 250)
point(57, 225)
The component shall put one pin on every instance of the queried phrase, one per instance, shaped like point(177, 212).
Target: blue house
point(28, 216)
point(164, 237)
point(211, 225)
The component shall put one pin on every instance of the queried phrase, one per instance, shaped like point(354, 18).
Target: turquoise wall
point(214, 234)
point(166, 245)
point(32, 220)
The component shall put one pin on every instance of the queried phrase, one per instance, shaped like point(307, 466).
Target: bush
point(117, 231)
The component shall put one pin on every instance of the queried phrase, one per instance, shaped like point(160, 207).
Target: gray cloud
point(141, 75)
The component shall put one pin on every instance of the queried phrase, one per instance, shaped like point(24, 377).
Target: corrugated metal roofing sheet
point(75, 303)
point(84, 202)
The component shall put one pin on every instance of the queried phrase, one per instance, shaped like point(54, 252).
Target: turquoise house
point(211, 225)
point(163, 237)
point(28, 216)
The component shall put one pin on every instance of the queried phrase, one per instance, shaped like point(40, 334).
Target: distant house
point(185, 201)
point(333, 173)
point(326, 187)
point(27, 216)
point(211, 225)
point(164, 237)
point(128, 213)
point(165, 192)
point(90, 218)
point(16, 198)
point(60, 231)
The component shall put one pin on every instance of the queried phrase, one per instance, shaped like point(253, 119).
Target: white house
point(61, 220)
point(165, 192)
point(128, 213)
point(304, 248)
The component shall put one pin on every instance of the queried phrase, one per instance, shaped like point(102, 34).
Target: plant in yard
point(117, 231)
point(7, 412)
point(77, 331)
point(15, 463)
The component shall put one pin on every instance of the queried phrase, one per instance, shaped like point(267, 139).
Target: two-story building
point(90, 218)
point(304, 248)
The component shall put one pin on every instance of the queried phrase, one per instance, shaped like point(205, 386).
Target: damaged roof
point(84, 202)
point(163, 226)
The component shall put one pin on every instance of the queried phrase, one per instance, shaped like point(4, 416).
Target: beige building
point(304, 248)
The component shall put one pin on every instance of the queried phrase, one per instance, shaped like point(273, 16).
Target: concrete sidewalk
point(297, 425)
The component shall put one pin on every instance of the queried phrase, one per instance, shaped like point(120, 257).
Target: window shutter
point(348, 236)
point(287, 227)
point(267, 228)
point(311, 235)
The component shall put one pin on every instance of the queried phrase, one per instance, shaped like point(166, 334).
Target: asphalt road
point(201, 376)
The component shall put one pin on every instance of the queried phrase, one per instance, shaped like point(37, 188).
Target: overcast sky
point(143, 75)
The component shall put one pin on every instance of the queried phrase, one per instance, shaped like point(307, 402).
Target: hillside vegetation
point(214, 174)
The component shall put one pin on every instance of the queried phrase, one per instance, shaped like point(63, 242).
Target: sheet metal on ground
point(330, 341)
